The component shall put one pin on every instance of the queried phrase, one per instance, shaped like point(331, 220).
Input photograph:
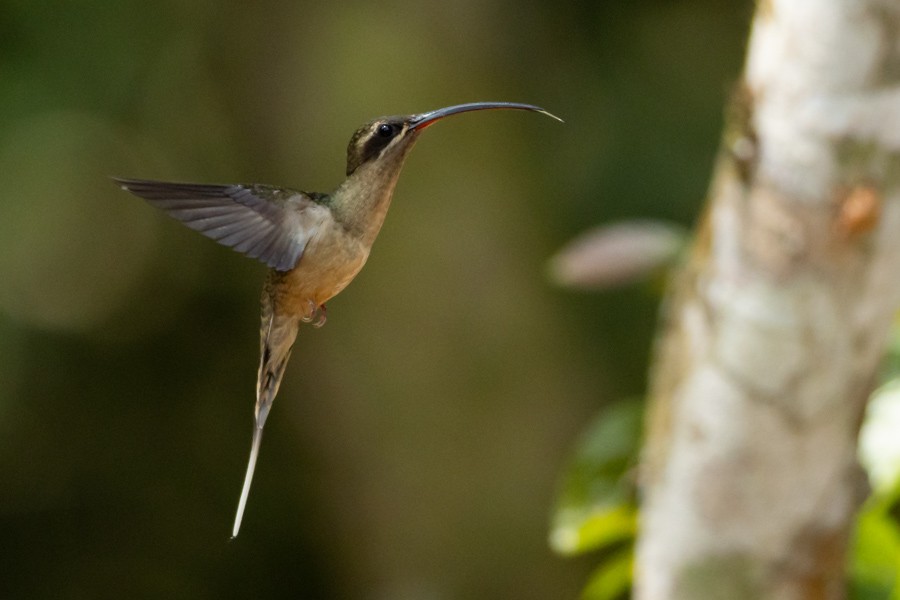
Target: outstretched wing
point(266, 223)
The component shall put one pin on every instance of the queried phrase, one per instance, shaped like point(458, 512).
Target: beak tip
point(550, 114)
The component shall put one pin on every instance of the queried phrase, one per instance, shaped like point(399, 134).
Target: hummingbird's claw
point(314, 313)
point(321, 312)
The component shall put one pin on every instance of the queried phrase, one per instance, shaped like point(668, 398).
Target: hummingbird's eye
point(370, 141)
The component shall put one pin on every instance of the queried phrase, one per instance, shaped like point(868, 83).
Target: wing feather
point(266, 223)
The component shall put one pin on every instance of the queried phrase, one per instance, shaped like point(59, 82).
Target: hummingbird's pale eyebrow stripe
point(313, 243)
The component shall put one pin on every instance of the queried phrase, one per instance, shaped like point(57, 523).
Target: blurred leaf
point(602, 528)
point(876, 551)
point(879, 444)
point(612, 579)
point(595, 505)
point(617, 254)
point(875, 558)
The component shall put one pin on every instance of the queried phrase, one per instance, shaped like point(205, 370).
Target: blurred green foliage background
point(417, 440)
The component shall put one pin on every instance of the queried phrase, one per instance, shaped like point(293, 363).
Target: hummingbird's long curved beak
point(423, 120)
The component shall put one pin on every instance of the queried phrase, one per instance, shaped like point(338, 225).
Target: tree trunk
point(775, 327)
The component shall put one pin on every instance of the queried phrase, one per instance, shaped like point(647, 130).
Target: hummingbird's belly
point(326, 268)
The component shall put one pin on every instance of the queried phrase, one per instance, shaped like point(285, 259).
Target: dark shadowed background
point(418, 437)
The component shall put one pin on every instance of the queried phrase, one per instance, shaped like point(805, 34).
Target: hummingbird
point(313, 243)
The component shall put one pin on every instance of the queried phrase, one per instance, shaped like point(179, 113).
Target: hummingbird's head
point(388, 140)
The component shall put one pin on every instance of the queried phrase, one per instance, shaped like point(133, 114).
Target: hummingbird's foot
point(321, 312)
point(314, 313)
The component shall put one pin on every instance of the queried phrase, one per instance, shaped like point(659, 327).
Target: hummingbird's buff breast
point(329, 263)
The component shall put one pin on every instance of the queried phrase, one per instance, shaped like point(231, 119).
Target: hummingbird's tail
point(248, 478)
point(276, 340)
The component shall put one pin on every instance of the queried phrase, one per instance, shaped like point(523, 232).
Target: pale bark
point(775, 328)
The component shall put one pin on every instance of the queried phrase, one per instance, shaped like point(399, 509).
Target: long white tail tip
point(248, 479)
